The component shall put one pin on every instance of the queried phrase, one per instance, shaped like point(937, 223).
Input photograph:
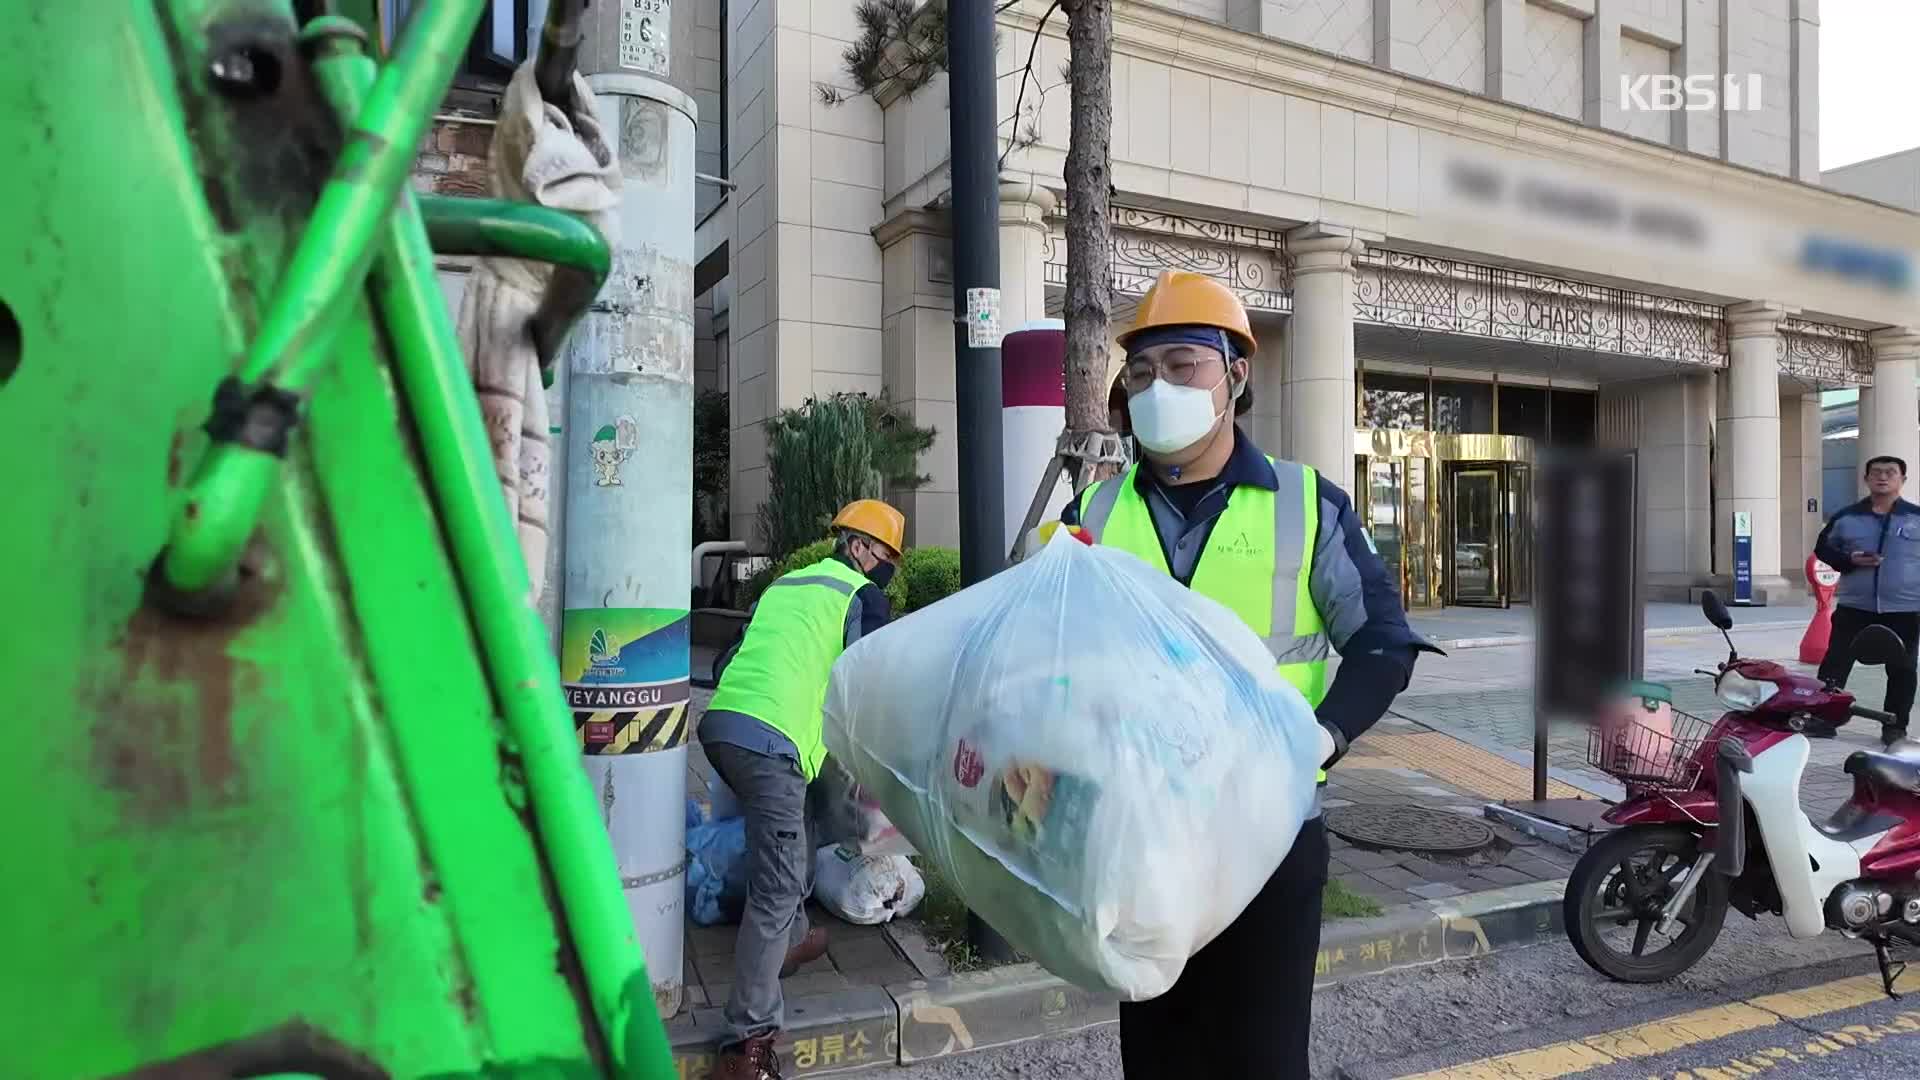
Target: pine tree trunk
point(1088, 176)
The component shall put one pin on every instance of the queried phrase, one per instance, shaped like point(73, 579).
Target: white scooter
point(1713, 820)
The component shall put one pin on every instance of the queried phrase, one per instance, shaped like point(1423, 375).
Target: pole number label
point(644, 39)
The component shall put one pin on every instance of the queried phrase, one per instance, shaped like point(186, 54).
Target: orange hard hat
point(1184, 298)
point(871, 517)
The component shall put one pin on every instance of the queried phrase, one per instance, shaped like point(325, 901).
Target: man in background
point(1875, 544)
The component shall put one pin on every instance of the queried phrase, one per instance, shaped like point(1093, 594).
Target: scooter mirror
point(1880, 645)
point(1715, 611)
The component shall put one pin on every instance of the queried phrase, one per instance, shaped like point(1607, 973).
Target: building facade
point(1464, 228)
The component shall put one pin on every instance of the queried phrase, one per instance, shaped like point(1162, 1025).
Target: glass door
point(1479, 516)
point(1520, 534)
point(1385, 522)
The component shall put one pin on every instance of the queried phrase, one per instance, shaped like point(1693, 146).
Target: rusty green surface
point(293, 831)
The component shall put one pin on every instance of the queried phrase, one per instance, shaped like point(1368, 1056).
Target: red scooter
point(1712, 819)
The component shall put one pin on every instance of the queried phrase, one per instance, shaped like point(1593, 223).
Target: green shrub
point(829, 452)
point(927, 575)
point(711, 439)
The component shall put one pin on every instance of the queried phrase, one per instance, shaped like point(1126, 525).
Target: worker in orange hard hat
point(1281, 547)
point(765, 736)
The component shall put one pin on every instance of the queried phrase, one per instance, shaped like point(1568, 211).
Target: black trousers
point(1838, 663)
point(1244, 1005)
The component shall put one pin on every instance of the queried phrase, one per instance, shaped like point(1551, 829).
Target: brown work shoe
point(811, 948)
point(751, 1059)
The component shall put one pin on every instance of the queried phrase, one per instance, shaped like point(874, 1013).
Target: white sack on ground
point(865, 890)
point(1104, 763)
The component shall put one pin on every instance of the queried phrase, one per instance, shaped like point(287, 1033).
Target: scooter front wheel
point(1617, 892)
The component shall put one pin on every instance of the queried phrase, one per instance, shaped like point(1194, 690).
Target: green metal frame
point(578, 252)
point(302, 794)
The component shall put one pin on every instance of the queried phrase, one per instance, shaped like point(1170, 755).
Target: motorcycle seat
point(1900, 771)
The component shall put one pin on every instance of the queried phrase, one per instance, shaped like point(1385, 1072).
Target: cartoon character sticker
point(612, 445)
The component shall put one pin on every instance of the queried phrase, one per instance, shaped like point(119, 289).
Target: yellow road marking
point(1671, 1033)
point(1447, 759)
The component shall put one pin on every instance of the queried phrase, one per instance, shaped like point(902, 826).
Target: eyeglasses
point(1176, 368)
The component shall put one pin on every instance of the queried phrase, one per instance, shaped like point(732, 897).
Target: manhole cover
point(1408, 828)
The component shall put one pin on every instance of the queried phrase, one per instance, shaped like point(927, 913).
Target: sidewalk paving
point(1454, 628)
point(1432, 909)
point(1485, 699)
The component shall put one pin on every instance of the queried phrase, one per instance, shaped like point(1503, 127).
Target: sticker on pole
point(983, 318)
point(644, 39)
point(625, 675)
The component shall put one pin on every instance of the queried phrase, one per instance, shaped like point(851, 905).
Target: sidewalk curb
point(1654, 632)
point(904, 1023)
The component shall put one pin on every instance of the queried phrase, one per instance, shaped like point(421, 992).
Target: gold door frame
point(1426, 499)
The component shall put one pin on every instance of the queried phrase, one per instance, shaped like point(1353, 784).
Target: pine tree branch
point(1026, 73)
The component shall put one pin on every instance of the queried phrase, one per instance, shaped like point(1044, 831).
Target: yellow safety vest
point(779, 676)
point(1258, 562)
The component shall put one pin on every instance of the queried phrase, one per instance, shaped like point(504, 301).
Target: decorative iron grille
point(1393, 288)
point(1824, 352)
point(1249, 260)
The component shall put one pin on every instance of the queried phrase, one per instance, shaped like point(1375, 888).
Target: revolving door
point(1451, 515)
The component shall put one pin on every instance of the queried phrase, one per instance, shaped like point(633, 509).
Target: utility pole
point(629, 474)
point(976, 314)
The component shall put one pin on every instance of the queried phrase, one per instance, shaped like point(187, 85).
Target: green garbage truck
point(290, 787)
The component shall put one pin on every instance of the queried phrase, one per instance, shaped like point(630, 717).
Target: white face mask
point(1168, 418)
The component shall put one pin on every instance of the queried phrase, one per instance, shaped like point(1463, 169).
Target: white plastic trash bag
point(865, 889)
point(1105, 764)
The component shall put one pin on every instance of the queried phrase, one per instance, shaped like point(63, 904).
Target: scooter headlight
point(1741, 694)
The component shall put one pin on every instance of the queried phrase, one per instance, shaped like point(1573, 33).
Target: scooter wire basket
point(1653, 757)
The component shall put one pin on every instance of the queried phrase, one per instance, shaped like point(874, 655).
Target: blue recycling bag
point(717, 870)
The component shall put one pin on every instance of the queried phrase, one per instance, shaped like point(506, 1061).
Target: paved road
point(1825, 1022)
point(1534, 997)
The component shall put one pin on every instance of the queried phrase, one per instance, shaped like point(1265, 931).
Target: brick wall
point(453, 159)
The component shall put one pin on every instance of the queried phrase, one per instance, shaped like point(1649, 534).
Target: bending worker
point(1281, 547)
point(763, 734)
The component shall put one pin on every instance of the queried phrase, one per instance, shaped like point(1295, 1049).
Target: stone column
point(916, 300)
point(1024, 206)
point(1319, 351)
point(1890, 413)
point(1267, 420)
point(1676, 426)
point(1799, 482)
point(1750, 429)
point(1863, 436)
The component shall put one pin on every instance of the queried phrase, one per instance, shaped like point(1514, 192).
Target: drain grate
point(1409, 828)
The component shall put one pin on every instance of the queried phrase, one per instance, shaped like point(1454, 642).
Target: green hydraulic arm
point(291, 788)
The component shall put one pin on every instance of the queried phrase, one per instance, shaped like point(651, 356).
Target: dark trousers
point(1838, 663)
point(1244, 1005)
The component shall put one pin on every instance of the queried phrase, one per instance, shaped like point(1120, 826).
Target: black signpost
point(1590, 614)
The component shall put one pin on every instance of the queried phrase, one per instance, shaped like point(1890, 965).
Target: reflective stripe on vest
point(1258, 562)
point(779, 676)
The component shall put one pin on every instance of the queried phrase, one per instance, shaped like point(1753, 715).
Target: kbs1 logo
point(1695, 93)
